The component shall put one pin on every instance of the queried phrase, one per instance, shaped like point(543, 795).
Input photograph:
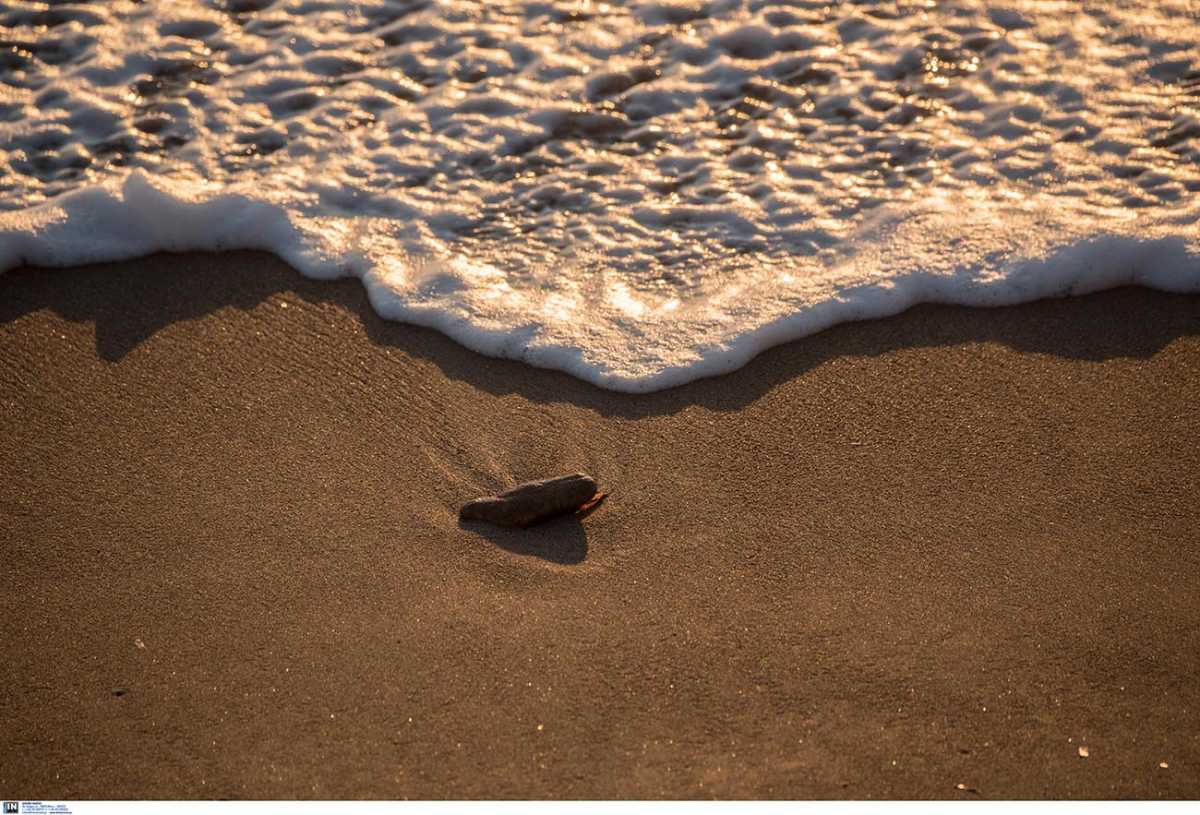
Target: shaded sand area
point(947, 548)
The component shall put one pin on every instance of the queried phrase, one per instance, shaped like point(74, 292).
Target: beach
point(938, 555)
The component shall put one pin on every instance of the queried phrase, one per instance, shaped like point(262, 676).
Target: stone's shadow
point(562, 540)
point(128, 302)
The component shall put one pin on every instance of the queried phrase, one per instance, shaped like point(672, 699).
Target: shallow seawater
point(639, 194)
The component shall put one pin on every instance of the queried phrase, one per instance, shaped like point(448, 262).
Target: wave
point(602, 332)
point(637, 194)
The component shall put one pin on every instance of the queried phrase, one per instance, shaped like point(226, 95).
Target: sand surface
point(948, 548)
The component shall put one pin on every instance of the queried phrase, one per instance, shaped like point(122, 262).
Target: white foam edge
point(110, 223)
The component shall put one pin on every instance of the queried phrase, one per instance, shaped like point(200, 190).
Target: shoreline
point(947, 547)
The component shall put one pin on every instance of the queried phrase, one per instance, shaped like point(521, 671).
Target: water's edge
point(139, 218)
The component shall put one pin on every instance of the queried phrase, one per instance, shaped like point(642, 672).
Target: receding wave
point(638, 195)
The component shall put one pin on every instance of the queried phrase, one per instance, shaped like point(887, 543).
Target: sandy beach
point(931, 556)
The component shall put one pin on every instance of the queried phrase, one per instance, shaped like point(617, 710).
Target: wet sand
point(930, 556)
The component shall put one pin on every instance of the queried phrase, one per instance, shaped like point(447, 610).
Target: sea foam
point(638, 195)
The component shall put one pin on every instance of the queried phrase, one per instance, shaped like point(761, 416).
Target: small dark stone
point(534, 502)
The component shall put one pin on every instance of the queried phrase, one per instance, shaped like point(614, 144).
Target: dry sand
point(943, 549)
